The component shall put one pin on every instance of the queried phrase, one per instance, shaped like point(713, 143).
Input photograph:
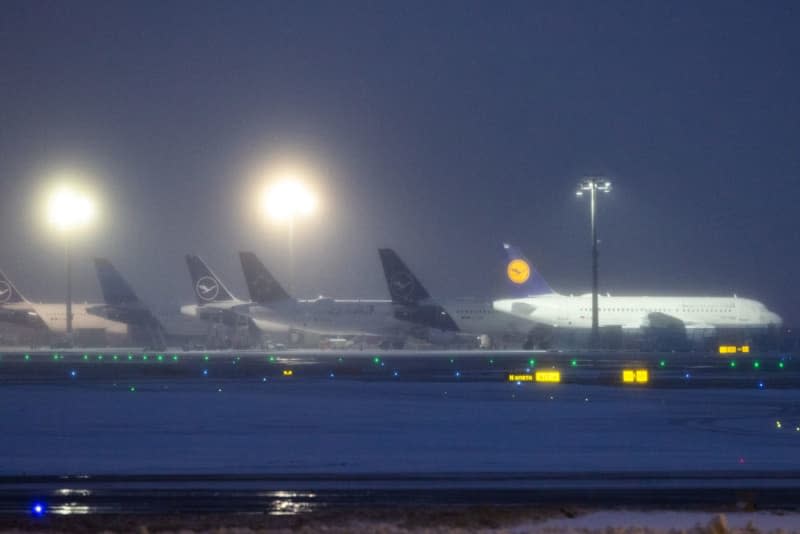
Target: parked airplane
point(273, 310)
point(15, 308)
point(324, 316)
point(537, 303)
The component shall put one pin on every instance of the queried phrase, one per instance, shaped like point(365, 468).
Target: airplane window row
point(474, 312)
point(661, 310)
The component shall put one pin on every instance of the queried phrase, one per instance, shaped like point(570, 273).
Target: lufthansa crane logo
point(206, 288)
point(402, 284)
point(5, 292)
point(518, 271)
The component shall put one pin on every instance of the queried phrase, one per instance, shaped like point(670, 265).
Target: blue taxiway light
point(205, 372)
point(73, 373)
point(761, 385)
point(331, 375)
point(458, 374)
point(38, 509)
point(395, 374)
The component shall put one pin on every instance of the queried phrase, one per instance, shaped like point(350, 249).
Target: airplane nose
point(774, 319)
point(502, 306)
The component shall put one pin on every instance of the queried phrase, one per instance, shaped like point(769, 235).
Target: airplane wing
point(665, 320)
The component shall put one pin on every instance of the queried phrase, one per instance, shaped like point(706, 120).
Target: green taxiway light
point(780, 365)
point(132, 389)
point(452, 360)
point(144, 357)
point(55, 356)
point(574, 363)
point(205, 357)
point(115, 357)
point(160, 357)
point(130, 357)
point(733, 363)
point(531, 362)
point(174, 357)
point(662, 363)
point(756, 364)
point(99, 356)
point(272, 358)
point(85, 356)
point(27, 357)
point(491, 361)
point(376, 360)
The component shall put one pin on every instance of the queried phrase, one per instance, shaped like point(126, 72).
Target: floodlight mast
point(592, 185)
point(68, 211)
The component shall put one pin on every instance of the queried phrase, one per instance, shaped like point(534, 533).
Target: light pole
point(285, 201)
point(69, 210)
point(592, 185)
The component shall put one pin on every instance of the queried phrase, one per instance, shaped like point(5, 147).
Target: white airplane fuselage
point(326, 316)
point(322, 316)
point(640, 312)
point(54, 316)
point(481, 318)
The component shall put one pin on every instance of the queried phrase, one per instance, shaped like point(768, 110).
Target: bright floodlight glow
point(68, 209)
point(288, 198)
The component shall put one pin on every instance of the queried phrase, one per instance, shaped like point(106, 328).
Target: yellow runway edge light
point(635, 376)
point(733, 349)
point(288, 372)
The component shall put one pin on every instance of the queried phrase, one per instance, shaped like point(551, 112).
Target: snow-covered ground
point(609, 522)
point(346, 426)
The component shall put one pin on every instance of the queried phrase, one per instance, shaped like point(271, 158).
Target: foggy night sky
point(437, 128)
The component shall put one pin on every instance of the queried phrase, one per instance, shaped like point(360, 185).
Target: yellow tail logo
point(518, 271)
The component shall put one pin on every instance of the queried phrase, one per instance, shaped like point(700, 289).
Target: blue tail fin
point(116, 290)
point(522, 277)
point(206, 285)
point(263, 287)
point(403, 285)
point(8, 293)
point(122, 304)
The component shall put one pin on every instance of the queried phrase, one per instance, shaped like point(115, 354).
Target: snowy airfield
point(382, 430)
